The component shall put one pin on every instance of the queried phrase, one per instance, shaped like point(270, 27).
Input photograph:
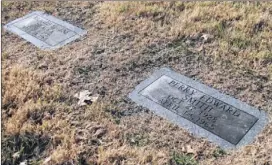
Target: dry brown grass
point(258, 153)
point(126, 41)
point(32, 106)
point(235, 29)
point(26, 93)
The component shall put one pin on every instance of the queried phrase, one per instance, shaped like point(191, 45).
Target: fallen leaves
point(16, 155)
point(47, 160)
point(85, 98)
point(188, 149)
point(100, 132)
point(206, 37)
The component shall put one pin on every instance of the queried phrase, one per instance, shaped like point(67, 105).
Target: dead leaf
point(94, 98)
point(100, 132)
point(188, 149)
point(47, 160)
point(23, 163)
point(84, 97)
point(16, 155)
point(206, 37)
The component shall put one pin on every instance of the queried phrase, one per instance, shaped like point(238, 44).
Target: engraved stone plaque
point(44, 31)
point(202, 110)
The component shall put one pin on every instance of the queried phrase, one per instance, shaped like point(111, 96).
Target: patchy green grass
point(184, 159)
point(218, 152)
point(137, 140)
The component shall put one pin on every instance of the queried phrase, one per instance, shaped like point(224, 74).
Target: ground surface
point(224, 45)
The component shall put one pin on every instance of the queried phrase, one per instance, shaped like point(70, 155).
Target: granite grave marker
point(44, 31)
point(202, 110)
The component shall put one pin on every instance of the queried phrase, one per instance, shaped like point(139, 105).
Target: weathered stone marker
point(202, 110)
point(44, 31)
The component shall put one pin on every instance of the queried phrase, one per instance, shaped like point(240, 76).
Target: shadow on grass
point(26, 146)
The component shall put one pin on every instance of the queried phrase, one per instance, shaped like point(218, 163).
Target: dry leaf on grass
point(100, 132)
point(85, 98)
point(206, 37)
point(188, 149)
point(23, 163)
point(47, 160)
point(16, 155)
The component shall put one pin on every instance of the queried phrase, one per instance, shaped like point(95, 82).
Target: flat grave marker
point(44, 31)
point(200, 109)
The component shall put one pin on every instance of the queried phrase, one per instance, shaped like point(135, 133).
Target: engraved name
point(204, 102)
point(43, 29)
point(198, 109)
